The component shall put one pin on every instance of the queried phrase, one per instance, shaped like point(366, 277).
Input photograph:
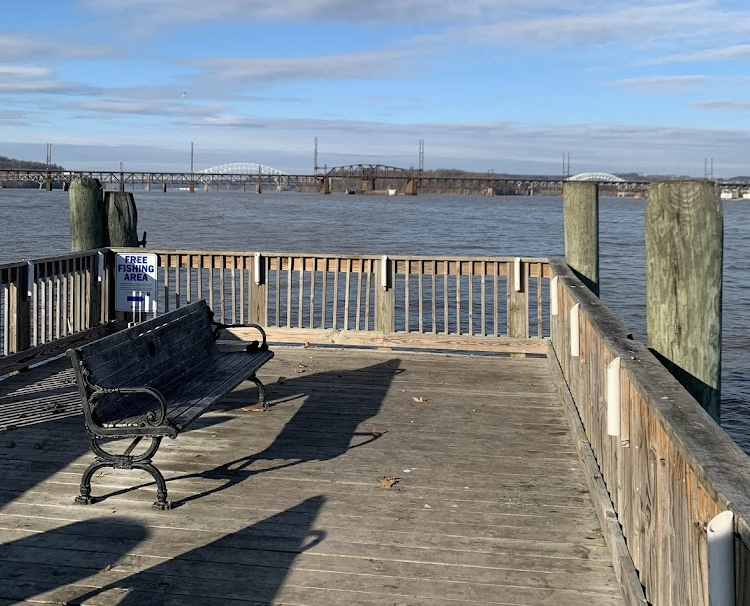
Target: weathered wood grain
point(491, 505)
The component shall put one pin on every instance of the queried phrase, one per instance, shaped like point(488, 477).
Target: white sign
point(135, 282)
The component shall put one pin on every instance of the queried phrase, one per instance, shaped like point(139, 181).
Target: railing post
point(258, 291)
point(385, 296)
point(19, 311)
point(518, 299)
point(684, 252)
point(581, 218)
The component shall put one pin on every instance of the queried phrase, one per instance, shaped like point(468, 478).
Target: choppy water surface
point(35, 223)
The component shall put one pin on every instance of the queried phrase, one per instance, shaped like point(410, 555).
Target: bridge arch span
point(598, 177)
point(241, 168)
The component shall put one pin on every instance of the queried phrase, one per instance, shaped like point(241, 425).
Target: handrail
point(443, 302)
point(669, 468)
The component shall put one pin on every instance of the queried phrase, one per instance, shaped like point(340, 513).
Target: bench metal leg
point(261, 392)
point(124, 461)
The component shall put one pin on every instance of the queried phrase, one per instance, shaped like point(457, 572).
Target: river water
point(35, 224)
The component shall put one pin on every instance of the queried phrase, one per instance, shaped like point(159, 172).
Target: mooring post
point(86, 214)
point(684, 254)
point(581, 218)
point(122, 219)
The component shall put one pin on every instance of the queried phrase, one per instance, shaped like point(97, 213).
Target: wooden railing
point(49, 304)
point(498, 304)
point(668, 467)
point(492, 304)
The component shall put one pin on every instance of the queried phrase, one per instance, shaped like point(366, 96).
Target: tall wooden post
point(122, 219)
point(581, 217)
point(87, 229)
point(684, 253)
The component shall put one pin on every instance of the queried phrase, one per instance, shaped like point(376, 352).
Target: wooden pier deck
point(489, 506)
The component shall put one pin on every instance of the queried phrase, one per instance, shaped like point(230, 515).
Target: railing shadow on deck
point(252, 562)
point(668, 467)
point(45, 563)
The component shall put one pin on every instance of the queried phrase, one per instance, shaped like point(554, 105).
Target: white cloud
point(662, 84)
point(727, 53)
point(723, 104)
point(347, 66)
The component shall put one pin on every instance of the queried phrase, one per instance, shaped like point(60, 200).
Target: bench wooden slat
point(105, 364)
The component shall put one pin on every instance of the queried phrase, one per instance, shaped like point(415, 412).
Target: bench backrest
point(152, 353)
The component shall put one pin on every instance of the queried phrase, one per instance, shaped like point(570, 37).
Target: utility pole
point(315, 159)
point(421, 156)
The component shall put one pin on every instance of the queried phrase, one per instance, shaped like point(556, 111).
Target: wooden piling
point(581, 217)
point(87, 227)
point(684, 252)
point(122, 219)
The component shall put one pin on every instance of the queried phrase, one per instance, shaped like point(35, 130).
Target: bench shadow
point(327, 424)
point(250, 564)
point(45, 563)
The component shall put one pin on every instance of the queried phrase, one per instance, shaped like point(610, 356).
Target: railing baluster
point(446, 270)
point(324, 295)
point(336, 293)
point(359, 295)
point(346, 297)
point(433, 282)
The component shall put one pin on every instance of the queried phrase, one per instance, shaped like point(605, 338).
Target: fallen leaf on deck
point(107, 568)
point(376, 433)
point(253, 409)
point(281, 380)
point(306, 345)
point(388, 482)
point(418, 398)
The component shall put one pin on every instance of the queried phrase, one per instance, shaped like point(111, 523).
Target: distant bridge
point(364, 178)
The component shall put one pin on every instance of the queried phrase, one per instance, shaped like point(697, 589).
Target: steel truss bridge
point(244, 176)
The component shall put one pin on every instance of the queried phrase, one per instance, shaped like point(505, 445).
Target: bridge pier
point(325, 185)
point(411, 188)
point(164, 188)
point(147, 187)
point(259, 188)
point(368, 184)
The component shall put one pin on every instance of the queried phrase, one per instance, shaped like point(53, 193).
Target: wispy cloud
point(727, 53)
point(349, 66)
point(661, 84)
point(36, 79)
point(723, 104)
point(35, 49)
point(317, 11)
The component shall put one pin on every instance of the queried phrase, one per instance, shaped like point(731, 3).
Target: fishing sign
point(135, 282)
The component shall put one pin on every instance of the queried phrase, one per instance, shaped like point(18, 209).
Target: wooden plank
point(411, 340)
point(287, 505)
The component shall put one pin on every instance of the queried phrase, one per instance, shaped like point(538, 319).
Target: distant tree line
point(13, 164)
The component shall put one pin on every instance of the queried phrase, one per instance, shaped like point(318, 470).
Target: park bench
point(152, 380)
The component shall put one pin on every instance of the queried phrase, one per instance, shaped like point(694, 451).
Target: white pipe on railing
point(574, 336)
point(99, 266)
point(721, 559)
point(384, 272)
point(517, 274)
point(613, 398)
point(30, 279)
point(553, 305)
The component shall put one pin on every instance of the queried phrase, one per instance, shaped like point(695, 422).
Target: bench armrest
point(153, 419)
point(255, 345)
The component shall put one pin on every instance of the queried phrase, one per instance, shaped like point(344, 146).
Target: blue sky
point(650, 86)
